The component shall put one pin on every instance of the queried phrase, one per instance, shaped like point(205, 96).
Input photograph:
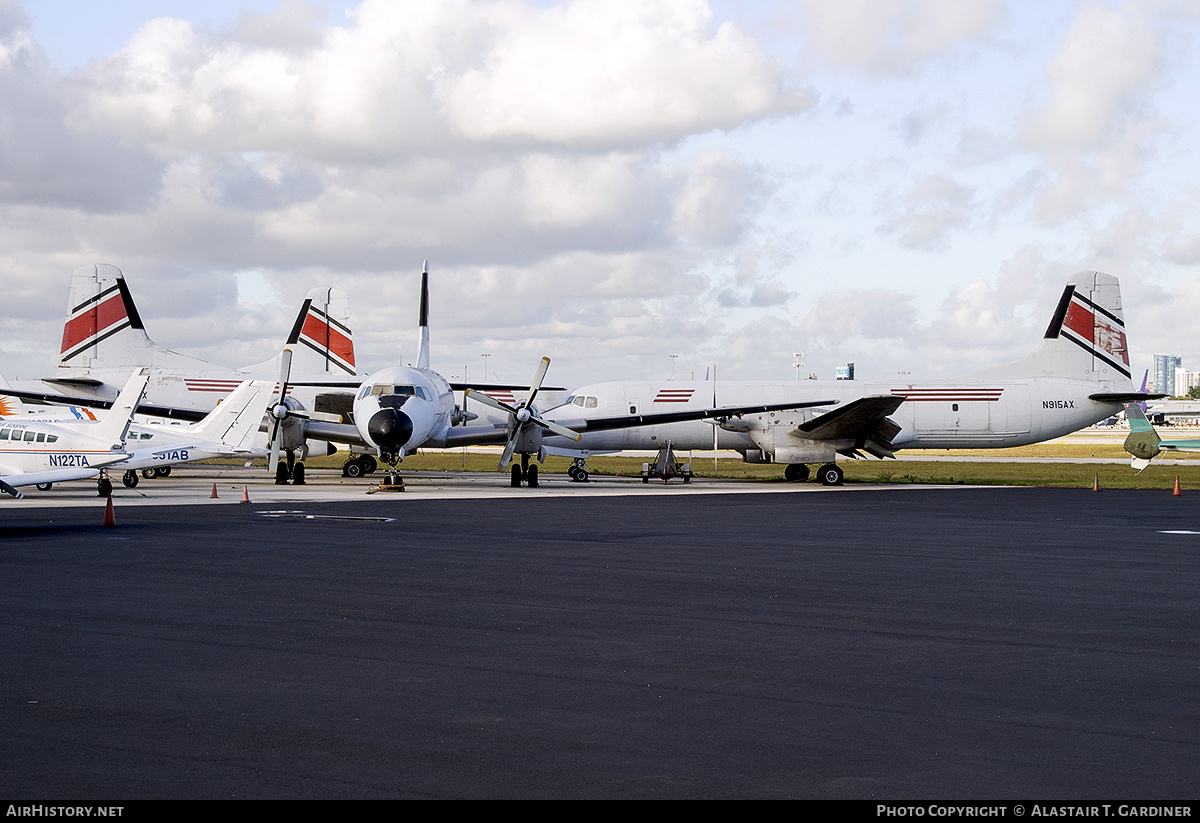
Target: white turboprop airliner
point(36, 453)
point(1078, 375)
point(402, 408)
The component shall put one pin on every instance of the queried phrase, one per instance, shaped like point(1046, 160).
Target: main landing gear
point(359, 465)
point(524, 473)
point(129, 479)
point(578, 471)
point(289, 470)
point(828, 475)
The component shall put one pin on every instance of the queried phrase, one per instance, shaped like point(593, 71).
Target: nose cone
point(390, 429)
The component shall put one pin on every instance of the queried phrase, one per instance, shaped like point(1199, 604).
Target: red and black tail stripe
point(1092, 328)
point(324, 335)
point(99, 318)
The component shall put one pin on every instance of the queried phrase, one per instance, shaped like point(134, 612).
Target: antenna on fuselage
point(423, 321)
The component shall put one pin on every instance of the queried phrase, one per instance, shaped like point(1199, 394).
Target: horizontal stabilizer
point(1125, 397)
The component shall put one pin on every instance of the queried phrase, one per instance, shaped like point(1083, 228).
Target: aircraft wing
point(191, 415)
point(333, 432)
point(10, 482)
point(630, 421)
point(863, 422)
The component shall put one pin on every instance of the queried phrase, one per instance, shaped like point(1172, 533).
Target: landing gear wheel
point(281, 474)
point(368, 463)
point(353, 468)
point(532, 477)
point(573, 472)
point(104, 487)
point(515, 482)
point(44, 487)
point(149, 474)
point(830, 475)
point(162, 471)
point(795, 473)
point(298, 475)
point(130, 479)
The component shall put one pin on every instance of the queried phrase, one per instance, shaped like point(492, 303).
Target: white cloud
point(1098, 78)
point(893, 35)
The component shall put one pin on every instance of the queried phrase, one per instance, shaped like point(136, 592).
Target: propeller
point(280, 411)
point(523, 415)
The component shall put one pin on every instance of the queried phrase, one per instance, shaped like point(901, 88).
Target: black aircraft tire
point(149, 474)
point(281, 474)
point(162, 471)
point(130, 479)
point(533, 477)
point(44, 487)
point(104, 487)
point(298, 475)
point(830, 475)
point(369, 464)
point(515, 482)
point(795, 473)
point(353, 468)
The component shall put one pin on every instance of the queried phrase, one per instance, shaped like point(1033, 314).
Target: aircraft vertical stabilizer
point(321, 338)
point(1085, 340)
point(103, 331)
point(423, 321)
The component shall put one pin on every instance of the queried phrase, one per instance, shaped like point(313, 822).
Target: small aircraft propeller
point(523, 414)
point(279, 411)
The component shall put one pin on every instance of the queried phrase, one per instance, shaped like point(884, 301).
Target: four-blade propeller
point(523, 415)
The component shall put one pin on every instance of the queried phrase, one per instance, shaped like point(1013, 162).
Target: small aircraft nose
point(390, 429)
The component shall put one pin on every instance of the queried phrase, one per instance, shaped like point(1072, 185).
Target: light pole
point(798, 364)
point(673, 357)
point(485, 362)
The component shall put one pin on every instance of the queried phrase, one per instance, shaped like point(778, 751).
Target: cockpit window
point(402, 391)
point(590, 403)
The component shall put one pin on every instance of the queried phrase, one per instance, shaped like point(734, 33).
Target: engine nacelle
point(292, 428)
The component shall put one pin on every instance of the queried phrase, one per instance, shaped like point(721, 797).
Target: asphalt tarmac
point(715, 640)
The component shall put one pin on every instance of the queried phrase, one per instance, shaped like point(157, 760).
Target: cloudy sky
point(905, 184)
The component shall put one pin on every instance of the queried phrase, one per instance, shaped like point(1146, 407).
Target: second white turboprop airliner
point(1077, 376)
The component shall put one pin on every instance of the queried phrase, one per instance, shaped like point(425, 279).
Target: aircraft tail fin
point(104, 331)
point(423, 321)
point(115, 425)
point(1085, 340)
point(321, 337)
point(1142, 442)
point(9, 406)
point(235, 420)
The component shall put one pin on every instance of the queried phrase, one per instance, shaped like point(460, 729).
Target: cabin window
point(29, 436)
point(3, 434)
point(41, 438)
point(954, 406)
point(51, 438)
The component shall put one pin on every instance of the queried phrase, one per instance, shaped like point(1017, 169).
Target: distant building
point(845, 372)
point(1185, 381)
point(1164, 372)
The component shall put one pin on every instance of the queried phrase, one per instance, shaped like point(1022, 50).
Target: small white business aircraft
point(34, 453)
point(227, 431)
point(1077, 376)
point(104, 338)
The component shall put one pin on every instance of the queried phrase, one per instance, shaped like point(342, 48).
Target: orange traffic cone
point(214, 494)
point(1177, 492)
point(245, 494)
point(109, 520)
point(1096, 485)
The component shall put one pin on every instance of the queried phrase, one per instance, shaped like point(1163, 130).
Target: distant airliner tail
point(103, 330)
